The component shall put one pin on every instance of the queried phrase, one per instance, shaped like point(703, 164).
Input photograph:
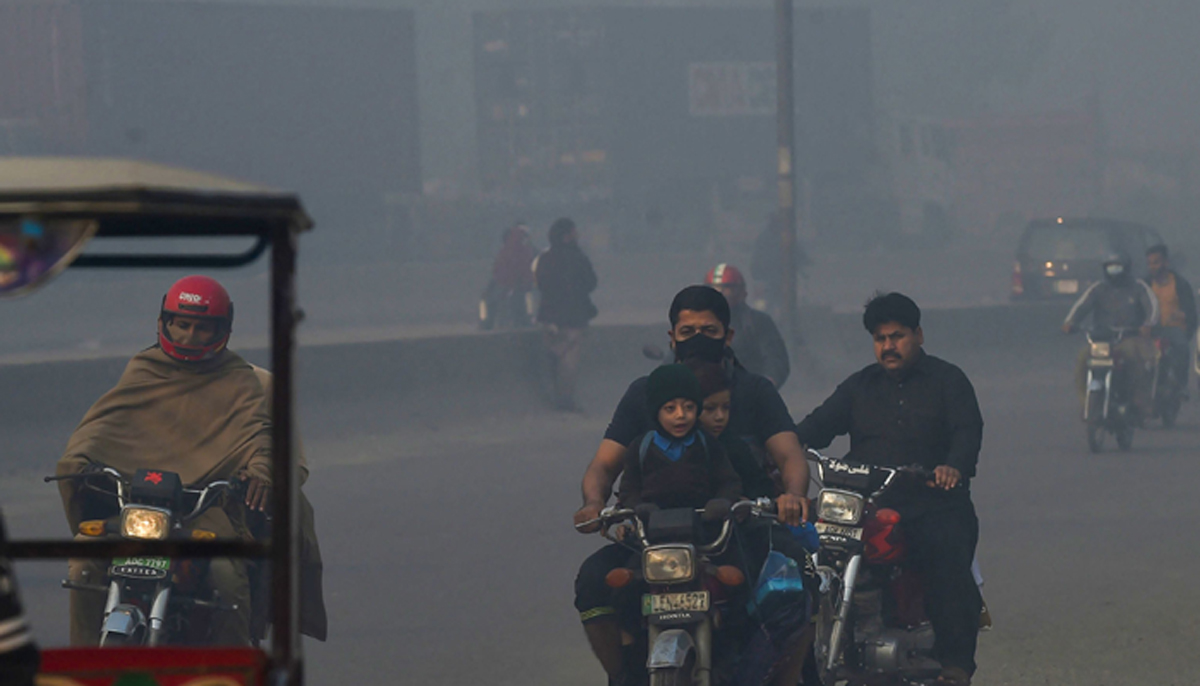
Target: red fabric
point(512, 269)
point(168, 666)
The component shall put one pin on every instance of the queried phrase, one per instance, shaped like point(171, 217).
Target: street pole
point(786, 136)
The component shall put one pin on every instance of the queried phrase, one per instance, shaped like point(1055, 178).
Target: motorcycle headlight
point(840, 507)
point(668, 564)
point(1101, 349)
point(147, 523)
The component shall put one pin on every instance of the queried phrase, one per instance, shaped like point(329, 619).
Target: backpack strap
point(646, 440)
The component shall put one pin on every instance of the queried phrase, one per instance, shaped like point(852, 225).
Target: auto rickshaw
point(51, 209)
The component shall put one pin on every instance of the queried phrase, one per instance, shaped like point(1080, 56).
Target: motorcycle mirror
point(653, 352)
point(34, 250)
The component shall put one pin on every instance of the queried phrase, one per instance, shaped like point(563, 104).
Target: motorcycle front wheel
point(676, 676)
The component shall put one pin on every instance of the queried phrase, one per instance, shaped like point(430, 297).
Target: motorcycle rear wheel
point(1095, 437)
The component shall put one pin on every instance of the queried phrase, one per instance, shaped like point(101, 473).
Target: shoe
point(985, 619)
point(954, 676)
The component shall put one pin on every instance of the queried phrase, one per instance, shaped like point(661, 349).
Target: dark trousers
point(942, 543)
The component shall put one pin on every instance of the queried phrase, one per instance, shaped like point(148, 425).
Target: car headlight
point(840, 507)
point(1101, 349)
point(147, 523)
point(668, 564)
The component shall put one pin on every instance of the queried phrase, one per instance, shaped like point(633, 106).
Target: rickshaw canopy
point(128, 197)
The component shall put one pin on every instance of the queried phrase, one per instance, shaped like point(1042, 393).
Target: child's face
point(714, 415)
point(677, 417)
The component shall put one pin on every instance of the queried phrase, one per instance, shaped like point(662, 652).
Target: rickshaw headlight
point(840, 507)
point(668, 564)
point(147, 523)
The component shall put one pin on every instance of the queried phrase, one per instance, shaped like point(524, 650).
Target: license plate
point(141, 567)
point(826, 529)
point(1066, 286)
point(675, 602)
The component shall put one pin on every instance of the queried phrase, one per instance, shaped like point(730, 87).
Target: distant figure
point(506, 301)
point(757, 342)
point(566, 280)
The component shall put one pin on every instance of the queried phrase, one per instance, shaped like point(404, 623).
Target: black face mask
point(700, 347)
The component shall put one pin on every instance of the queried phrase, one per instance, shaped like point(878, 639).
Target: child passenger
point(676, 464)
point(714, 417)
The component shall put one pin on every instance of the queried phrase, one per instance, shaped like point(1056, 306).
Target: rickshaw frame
point(129, 199)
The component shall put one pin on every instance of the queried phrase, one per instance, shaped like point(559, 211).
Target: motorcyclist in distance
point(760, 347)
point(1177, 310)
point(1119, 301)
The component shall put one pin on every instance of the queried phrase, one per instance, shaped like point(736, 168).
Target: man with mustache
point(913, 408)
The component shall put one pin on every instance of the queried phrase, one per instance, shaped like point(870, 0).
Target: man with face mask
point(913, 408)
point(1119, 301)
point(699, 318)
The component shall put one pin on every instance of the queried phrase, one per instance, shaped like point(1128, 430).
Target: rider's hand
point(587, 513)
point(258, 493)
point(792, 509)
point(945, 477)
point(1067, 328)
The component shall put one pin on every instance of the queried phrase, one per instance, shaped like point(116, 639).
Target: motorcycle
point(1166, 391)
point(870, 621)
point(1108, 397)
point(686, 597)
point(151, 601)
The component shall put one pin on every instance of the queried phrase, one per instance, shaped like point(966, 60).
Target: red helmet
point(725, 275)
point(203, 298)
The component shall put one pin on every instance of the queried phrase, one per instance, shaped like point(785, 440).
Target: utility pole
point(786, 136)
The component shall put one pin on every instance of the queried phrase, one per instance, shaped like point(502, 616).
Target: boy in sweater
point(676, 464)
point(673, 466)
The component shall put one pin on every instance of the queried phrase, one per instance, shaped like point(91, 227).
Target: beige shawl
point(204, 421)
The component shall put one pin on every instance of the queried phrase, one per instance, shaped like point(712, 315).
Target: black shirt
point(929, 417)
point(757, 412)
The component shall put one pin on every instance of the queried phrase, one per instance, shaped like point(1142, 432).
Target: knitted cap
point(669, 382)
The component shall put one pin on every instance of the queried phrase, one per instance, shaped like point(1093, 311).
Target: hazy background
point(942, 129)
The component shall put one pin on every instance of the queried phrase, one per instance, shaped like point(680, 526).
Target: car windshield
point(1068, 243)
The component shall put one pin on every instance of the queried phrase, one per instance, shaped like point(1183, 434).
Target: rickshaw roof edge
point(108, 186)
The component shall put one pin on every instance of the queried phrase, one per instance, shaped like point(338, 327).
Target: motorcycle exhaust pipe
point(839, 624)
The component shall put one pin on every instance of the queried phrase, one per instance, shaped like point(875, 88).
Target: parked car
point(1062, 256)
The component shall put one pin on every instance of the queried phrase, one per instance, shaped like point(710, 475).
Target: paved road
point(1089, 560)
